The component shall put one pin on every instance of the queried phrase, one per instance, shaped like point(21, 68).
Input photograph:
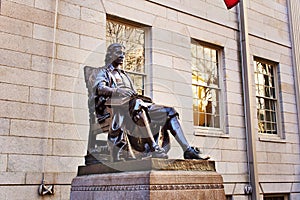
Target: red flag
point(231, 3)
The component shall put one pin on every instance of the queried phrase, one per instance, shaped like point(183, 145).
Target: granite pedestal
point(149, 179)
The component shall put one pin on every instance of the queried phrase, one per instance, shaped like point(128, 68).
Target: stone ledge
point(148, 165)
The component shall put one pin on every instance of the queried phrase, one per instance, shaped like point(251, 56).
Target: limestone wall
point(43, 110)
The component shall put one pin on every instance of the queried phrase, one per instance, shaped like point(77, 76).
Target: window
point(229, 197)
point(205, 85)
point(133, 38)
point(266, 97)
point(276, 197)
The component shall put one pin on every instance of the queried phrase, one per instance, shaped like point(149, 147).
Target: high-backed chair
point(97, 148)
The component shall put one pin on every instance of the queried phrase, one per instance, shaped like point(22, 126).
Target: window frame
point(279, 135)
point(213, 131)
point(147, 75)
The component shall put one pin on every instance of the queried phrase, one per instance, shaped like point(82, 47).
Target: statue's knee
point(172, 113)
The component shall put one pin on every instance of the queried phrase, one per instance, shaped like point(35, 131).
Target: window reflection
point(265, 98)
point(205, 85)
point(133, 38)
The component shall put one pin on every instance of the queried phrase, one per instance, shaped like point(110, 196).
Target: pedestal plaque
point(149, 179)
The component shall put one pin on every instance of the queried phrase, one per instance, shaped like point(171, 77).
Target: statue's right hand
point(126, 92)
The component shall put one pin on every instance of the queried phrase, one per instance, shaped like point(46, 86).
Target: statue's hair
point(109, 52)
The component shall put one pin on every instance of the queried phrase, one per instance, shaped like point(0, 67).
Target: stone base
point(153, 184)
point(147, 165)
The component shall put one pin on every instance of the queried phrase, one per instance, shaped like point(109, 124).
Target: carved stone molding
point(147, 187)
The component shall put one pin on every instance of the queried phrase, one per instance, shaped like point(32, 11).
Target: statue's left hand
point(125, 92)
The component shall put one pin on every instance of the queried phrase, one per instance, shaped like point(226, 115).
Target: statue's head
point(115, 54)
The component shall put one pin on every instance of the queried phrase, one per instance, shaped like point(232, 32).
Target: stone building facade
point(44, 45)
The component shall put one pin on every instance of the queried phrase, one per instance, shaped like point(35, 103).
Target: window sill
point(210, 132)
point(270, 138)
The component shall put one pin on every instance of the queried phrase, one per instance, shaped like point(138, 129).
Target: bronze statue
point(134, 120)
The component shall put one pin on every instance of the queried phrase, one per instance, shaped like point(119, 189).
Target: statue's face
point(118, 56)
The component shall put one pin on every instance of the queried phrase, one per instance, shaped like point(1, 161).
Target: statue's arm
point(104, 90)
point(103, 84)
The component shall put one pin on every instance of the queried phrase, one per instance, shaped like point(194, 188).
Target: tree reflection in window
point(265, 97)
point(205, 85)
point(133, 38)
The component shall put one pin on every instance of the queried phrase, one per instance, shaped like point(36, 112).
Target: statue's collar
point(111, 68)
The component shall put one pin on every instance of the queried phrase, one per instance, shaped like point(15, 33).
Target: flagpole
point(249, 104)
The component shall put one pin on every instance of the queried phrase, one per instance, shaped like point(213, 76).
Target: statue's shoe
point(194, 153)
point(159, 153)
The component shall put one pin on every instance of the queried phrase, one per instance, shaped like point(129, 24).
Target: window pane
point(206, 91)
point(214, 74)
point(265, 98)
point(133, 38)
point(138, 81)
